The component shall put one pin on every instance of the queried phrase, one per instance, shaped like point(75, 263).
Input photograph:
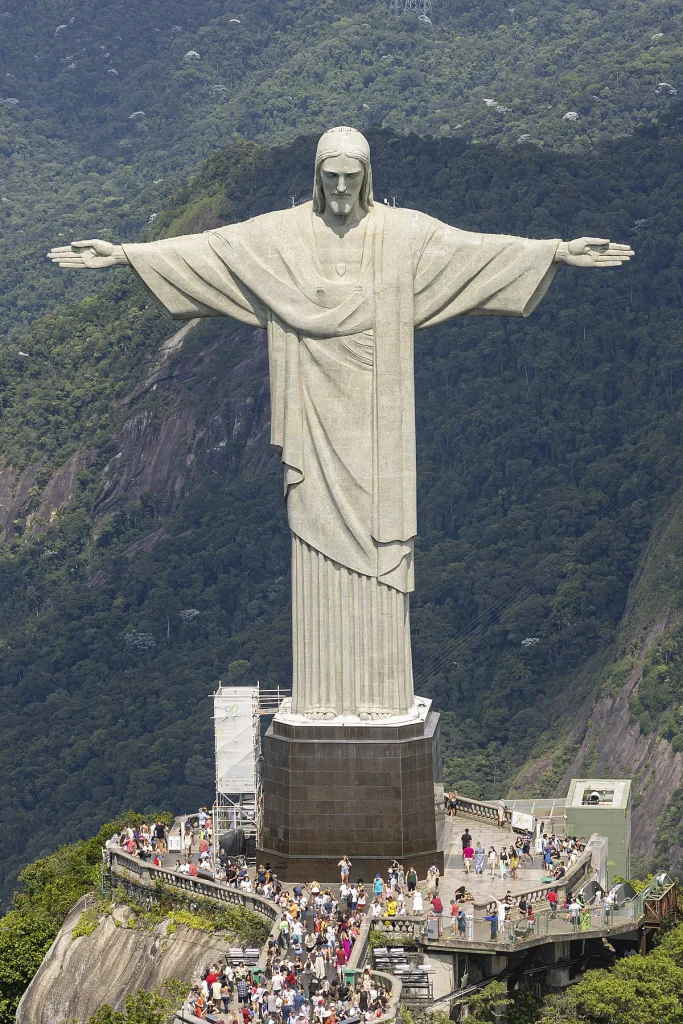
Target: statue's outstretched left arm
point(91, 254)
point(593, 252)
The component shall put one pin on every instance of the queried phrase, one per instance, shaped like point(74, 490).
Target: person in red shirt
point(192, 870)
point(246, 1014)
point(437, 905)
point(211, 977)
point(341, 960)
point(552, 900)
point(468, 856)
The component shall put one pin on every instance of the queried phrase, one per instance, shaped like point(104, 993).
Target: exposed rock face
point(601, 738)
point(149, 461)
point(165, 450)
point(166, 456)
point(616, 747)
point(58, 492)
point(79, 975)
point(608, 745)
point(16, 488)
point(14, 493)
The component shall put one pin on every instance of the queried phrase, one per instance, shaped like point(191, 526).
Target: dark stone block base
point(370, 792)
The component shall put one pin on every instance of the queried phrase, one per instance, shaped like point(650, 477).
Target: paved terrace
point(517, 933)
point(483, 887)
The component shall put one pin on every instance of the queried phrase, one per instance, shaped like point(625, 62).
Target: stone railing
point(408, 928)
point(392, 985)
point(146, 876)
point(481, 809)
point(359, 951)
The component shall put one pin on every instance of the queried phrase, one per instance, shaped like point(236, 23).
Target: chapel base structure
point(370, 791)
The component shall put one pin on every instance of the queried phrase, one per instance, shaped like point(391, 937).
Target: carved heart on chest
point(340, 268)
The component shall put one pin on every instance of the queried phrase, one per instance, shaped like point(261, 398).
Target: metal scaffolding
point(423, 8)
point(237, 714)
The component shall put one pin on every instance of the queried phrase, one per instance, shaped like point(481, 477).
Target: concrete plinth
point(372, 791)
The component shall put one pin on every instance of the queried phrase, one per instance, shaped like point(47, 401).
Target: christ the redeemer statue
point(341, 284)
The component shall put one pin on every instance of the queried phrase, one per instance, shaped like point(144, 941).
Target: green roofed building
point(604, 806)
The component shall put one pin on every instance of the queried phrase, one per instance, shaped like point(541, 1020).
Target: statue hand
point(91, 254)
point(593, 252)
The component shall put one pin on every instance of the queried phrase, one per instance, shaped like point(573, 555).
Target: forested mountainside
point(104, 107)
point(146, 552)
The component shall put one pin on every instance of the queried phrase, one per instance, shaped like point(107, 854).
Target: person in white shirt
point(574, 914)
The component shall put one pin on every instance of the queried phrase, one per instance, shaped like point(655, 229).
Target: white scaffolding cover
point(234, 710)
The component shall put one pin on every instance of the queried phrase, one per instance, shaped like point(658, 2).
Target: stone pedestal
point(370, 790)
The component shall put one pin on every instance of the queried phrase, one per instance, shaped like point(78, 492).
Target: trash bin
point(433, 929)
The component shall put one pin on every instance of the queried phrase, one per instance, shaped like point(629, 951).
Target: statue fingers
point(88, 243)
point(596, 241)
point(602, 256)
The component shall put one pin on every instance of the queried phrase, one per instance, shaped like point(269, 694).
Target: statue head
point(342, 159)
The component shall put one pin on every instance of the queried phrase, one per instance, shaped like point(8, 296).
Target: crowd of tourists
point(304, 977)
point(146, 842)
point(287, 991)
point(558, 854)
point(505, 860)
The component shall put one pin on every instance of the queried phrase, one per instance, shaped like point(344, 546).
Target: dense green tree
point(636, 991)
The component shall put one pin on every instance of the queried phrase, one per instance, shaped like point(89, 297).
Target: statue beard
point(341, 206)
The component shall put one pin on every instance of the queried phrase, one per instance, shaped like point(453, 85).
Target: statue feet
point(365, 715)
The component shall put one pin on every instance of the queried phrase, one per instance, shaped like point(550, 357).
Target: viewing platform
point(481, 933)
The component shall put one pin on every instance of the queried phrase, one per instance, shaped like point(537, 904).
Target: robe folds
point(342, 399)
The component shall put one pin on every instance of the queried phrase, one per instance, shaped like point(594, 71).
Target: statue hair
point(332, 144)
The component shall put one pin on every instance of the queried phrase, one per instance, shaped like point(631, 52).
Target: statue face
point(342, 180)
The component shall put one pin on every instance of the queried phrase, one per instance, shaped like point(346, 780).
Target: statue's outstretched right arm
point(185, 274)
point(91, 254)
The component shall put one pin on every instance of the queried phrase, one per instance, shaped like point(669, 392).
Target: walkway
point(483, 887)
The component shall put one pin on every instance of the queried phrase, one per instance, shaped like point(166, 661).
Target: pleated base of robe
point(351, 640)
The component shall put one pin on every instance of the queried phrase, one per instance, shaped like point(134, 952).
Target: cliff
point(80, 974)
point(629, 723)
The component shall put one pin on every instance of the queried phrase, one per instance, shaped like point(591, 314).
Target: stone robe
point(342, 410)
